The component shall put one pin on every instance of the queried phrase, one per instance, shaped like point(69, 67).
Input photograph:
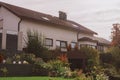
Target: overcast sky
point(98, 15)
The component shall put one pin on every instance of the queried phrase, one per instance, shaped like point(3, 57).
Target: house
point(59, 31)
point(98, 43)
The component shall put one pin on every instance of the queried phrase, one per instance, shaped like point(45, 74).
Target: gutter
point(78, 36)
point(19, 25)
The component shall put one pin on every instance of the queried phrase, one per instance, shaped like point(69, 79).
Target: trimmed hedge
point(23, 70)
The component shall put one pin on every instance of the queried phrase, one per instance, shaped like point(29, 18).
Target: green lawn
point(32, 78)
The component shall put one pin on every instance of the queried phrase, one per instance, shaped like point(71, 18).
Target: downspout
point(78, 38)
point(19, 24)
point(18, 42)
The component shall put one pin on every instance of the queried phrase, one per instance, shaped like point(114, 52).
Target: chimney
point(62, 15)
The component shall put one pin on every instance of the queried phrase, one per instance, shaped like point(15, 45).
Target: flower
point(14, 62)
point(25, 62)
point(4, 61)
point(19, 62)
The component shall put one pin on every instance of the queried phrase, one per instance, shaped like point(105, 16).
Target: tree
point(35, 43)
point(116, 35)
point(115, 51)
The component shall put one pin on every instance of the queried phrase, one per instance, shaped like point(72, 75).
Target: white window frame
point(49, 43)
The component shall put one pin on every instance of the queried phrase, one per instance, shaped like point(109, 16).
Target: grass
point(33, 78)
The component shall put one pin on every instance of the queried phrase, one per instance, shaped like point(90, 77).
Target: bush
point(9, 60)
point(102, 76)
point(83, 77)
point(21, 58)
point(109, 69)
point(30, 58)
point(39, 61)
point(56, 67)
point(35, 44)
point(115, 51)
point(17, 57)
point(4, 70)
point(106, 58)
point(92, 57)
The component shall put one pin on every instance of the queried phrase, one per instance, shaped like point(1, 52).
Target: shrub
point(109, 69)
point(23, 58)
point(56, 67)
point(115, 51)
point(92, 57)
point(17, 57)
point(101, 76)
point(30, 58)
point(35, 43)
point(4, 70)
point(70, 74)
point(83, 77)
point(8, 60)
point(67, 73)
point(63, 58)
point(106, 58)
point(92, 76)
point(39, 61)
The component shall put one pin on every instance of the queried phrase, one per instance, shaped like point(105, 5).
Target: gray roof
point(101, 40)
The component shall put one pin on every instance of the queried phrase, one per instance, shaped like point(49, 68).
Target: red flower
point(63, 57)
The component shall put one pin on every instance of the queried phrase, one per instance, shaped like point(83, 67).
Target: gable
point(10, 20)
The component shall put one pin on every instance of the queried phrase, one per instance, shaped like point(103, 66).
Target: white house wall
point(81, 35)
point(49, 31)
point(10, 20)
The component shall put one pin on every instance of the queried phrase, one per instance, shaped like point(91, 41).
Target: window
point(62, 45)
point(87, 45)
point(57, 44)
point(100, 48)
point(48, 42)
point(83, 45)
point(73, 44)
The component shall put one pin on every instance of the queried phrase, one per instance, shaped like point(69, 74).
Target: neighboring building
point(58, 31)
point(98, 43)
